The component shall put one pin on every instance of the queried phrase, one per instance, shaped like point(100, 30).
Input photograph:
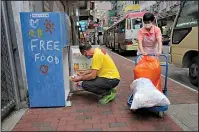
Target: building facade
point(125, 7)
point(165, 12)
point(119, 10)
point(100, 14)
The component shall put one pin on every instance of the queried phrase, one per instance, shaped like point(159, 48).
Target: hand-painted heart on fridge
point(44, 69)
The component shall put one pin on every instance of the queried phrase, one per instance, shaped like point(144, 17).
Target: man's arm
point(97, 62)
point(91, 75)
point(82, 73)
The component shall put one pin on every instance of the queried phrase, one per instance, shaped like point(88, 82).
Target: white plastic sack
point(145, 94)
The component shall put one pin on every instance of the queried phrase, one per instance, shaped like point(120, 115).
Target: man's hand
point(92, 74)
point(76, 78)
point(158, 53)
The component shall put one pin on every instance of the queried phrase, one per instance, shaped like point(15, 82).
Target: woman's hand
point(144, 53)
point(158, 53)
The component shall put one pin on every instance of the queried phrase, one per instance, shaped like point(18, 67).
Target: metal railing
point(9, 87)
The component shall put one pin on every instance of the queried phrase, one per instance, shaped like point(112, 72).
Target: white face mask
point(148, 25)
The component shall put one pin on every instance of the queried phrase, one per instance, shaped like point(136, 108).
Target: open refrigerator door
point(78, 63)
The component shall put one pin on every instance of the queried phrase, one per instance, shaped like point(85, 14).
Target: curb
point(9, 123)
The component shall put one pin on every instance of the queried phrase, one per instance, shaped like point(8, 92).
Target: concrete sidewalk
point(185, 115)
point(86, 114)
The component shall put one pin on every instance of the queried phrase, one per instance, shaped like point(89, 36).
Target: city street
point(178, 74)
point(71, 66)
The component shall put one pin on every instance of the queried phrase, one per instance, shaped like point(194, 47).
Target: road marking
point(161, 74)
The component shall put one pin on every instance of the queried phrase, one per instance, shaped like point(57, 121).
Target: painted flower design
point(49, 26)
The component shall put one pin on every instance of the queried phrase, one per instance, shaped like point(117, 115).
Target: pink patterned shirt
point(149, 39)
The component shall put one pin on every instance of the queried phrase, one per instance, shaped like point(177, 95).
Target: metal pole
point(9, 44)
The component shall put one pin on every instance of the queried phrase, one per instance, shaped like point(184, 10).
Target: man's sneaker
point(114, 90)
point(107, 98)
point(79, 85)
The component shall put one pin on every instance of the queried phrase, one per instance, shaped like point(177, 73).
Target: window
point(180, 34)
point(117, 28)
point(165, 39)
point(136, 2)
point(128, 24)
point(122, 26)
point(137, 23)
point(188, 15)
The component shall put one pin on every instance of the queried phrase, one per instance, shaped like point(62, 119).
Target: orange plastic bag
point(149, 67)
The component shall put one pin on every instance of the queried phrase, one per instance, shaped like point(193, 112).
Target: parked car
point(165, 40)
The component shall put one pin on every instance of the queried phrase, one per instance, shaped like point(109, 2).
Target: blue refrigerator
point(46, 36)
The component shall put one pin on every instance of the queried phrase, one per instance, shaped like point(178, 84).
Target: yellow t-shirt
point(102, 62)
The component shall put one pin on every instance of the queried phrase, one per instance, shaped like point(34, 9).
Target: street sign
point(133, 8)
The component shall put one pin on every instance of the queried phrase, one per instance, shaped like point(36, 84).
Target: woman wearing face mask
point(149, 37)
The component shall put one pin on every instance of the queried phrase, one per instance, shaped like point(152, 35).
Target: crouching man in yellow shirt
point(103, 77)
